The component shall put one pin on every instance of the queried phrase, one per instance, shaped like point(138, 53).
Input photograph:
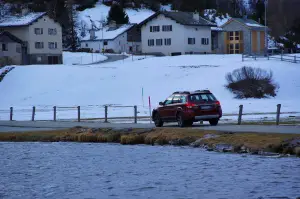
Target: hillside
point(121, 83)
point(100, 12)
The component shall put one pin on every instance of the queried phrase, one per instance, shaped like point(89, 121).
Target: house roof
point(11, 36)
point(184, 18)
point(14, 20)
point(249, 23)
point(109, 33)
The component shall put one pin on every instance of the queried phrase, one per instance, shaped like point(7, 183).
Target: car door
point(175, 105)
point(164, 111)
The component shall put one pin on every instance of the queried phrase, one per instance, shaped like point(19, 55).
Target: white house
point(176, 33)
point(41, 37)
point(113, 38)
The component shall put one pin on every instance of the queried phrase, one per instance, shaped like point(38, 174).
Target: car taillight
point(190, 105)
point(218, 103)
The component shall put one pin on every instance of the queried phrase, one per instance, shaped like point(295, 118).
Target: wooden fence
point(280, 57)
point(77, 111)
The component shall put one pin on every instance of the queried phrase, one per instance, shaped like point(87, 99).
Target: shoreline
point(268, 144)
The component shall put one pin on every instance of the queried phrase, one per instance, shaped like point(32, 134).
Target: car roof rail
point(200, 91)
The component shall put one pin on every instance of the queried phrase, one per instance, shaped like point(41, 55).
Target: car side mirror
point(161, 103)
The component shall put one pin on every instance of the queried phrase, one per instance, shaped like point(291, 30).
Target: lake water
point(82, 170)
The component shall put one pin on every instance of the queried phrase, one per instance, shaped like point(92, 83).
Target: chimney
point(92, 34)
point(196, 16)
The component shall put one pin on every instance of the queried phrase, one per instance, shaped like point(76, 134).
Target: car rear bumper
point(206, 117)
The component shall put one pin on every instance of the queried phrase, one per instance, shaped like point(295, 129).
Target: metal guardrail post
point(281, 57)
point(135, 114)
point(54, 113)
point(105, 114)
point(243, 57)
point(11, 113)
point(33, 113)
point(78, 112)
point(295, 59)
point(240, 115)
point(278, 114)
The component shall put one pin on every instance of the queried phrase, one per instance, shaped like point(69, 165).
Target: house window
point(4, 47)
point(154, 28)
point(167, 28)
point(237, 48)
point(52, 45)
point(234, 36)
point(204, 41)
point(231, 49)
point(168, 42)
point(237, 35)
point(52, 31)
point(150, 42)
point(38, 31)
point(39, 45)
point(191, 41)
point(159, 42)
point(18, 49)
point(105, 43)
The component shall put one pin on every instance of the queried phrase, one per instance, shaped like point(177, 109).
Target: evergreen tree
point(117, 14)
point(260, 11)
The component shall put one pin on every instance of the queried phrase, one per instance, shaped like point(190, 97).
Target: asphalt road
point(21, 126)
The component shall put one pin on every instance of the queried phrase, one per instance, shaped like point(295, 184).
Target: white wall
point(177, 35)
point(45, 22)
point(197, 32)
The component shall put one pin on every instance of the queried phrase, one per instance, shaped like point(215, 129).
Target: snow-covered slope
point(121, 83)
point(100, 12)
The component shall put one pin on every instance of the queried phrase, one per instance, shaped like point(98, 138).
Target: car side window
point(168, 100)
point(176, 99)
point(183, 99)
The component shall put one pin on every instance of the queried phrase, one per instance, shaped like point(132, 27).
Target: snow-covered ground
point(121, 83)
point(70, 58)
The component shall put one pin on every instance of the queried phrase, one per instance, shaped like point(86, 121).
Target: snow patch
point(20, 20)
point(109, 34)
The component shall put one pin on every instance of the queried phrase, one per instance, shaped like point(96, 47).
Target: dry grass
point(159, 136)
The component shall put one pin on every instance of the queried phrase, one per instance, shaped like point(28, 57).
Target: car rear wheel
point(157, 121)
point(180, 120)
point(189, 123)
point(214, 122)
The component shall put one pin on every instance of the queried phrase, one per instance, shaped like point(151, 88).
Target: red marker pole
point(150, 108)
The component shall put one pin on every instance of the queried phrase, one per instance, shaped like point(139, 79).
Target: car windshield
point(203, 97)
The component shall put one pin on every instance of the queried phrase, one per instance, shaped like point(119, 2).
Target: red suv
point(187, 108)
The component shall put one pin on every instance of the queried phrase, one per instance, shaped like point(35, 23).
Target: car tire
point(180, 120)
point(214, 122)
point(157, 120)
point(189, 123)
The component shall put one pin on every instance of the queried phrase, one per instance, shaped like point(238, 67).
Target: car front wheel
point(180, 120)
point(157, 121)
point(214, 122)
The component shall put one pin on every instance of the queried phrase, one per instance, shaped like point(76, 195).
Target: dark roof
point(11, 36)
point(184, 18)
point(250, 23)
point(15, 20)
